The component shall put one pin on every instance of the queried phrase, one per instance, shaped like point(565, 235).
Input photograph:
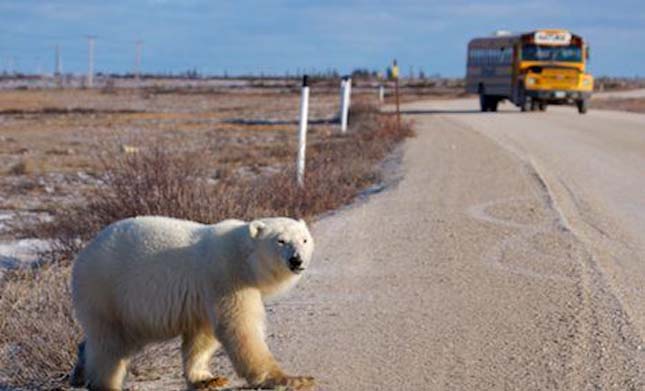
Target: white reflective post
point(381, 93)
point(302, 133)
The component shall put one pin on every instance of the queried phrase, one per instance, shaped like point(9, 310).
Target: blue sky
point(275, 36)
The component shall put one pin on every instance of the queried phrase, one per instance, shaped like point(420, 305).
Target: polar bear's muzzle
point(295, 264)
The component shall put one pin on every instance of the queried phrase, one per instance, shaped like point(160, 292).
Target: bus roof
point(541, 36)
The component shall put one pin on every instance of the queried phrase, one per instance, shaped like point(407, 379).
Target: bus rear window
point(532, 52)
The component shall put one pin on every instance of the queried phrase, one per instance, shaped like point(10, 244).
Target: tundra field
point(52, 139)
point(55, 144)
point(74, 160)
point(488, 229)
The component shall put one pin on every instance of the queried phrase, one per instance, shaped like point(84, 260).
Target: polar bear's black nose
point(295, 263)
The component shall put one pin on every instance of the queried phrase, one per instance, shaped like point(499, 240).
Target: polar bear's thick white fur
point(149, 279)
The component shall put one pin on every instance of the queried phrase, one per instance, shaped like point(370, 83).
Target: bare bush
point(23, 167)
point(38, 335)
point(159, 179)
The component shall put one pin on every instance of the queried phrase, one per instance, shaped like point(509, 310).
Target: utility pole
point(58, 70)
point(90, 60)
point(137, 59)
point(11, 64)
point(39, 67)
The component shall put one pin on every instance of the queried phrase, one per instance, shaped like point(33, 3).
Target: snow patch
point(4, 217)
point(23, 251)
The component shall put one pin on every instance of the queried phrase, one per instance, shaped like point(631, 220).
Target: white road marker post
point(381, 93)
point(302, 133)
point(345, 103)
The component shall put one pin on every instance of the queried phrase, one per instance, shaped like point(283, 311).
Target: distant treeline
point(193, 74)
point(610, 83)
point(362, 77)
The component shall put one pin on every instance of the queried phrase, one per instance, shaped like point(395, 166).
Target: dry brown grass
point(37, 329)
point(636, 105)
point(38, 334)
point(25, 166)
point(74, 120)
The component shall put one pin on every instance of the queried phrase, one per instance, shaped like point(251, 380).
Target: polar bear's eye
point(304, 241)
point(281, 242)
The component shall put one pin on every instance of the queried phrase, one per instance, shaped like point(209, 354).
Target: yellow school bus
point(531, 70)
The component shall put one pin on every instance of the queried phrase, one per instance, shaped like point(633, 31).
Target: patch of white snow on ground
point(23, 251)
point(4, 217)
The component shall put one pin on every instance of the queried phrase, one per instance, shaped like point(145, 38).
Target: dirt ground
point(508, 257)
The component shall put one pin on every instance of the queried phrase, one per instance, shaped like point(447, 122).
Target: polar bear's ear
point(302, 221)
point(255, 228)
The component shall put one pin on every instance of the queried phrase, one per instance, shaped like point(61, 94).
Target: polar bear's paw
point(291, 382)
point(208, 384)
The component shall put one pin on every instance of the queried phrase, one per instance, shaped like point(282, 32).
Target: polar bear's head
point(283, 249)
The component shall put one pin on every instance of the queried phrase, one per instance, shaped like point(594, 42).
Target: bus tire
point(492, 103)
point(483, 102)
point(583, 105)
point(542, 106)
point(523, 101)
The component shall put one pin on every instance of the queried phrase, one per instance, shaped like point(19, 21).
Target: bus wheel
point(484, 102)
point(523, 100)
point(492, 104)
point(542, 106)
point(583, 105)
point(534, 105)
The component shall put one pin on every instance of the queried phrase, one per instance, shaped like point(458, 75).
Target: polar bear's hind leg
point(106, 363)
point(77, 378)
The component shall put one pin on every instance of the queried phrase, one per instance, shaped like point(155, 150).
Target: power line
point(59, 37)
point(36, 35)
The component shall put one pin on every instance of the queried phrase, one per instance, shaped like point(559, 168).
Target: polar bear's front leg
point(197, 348)
point(239, 325)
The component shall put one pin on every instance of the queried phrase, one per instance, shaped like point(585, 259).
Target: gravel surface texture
point(508, 255)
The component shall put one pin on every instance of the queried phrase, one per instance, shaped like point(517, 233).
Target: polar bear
point(149, 279)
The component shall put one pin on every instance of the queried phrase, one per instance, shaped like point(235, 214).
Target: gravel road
point(509, 256)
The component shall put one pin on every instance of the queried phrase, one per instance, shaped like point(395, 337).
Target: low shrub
point(25, 166)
